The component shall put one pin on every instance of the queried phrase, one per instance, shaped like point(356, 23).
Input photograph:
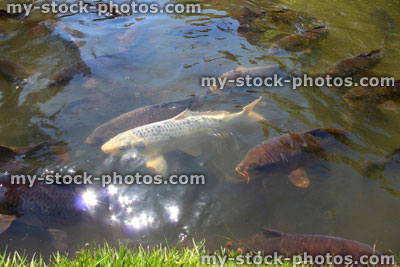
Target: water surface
point(160, 58)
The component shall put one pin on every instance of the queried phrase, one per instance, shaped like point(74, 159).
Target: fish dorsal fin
point(205, 113)
point(216, 112)
point(181, 115)
point(270, 233)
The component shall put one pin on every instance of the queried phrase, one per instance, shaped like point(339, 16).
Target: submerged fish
point(64, 76)
point(13, 71)
point(361, 96)
point(139, 117)
point(182, 132)
point(53, 208)
point(98, 67)
point(354, 65)
point(301, 40)
point(14, 159)
point(247, 18)
point(46, 206)
point(251, 21)
point(289, 245)
point(288, 153)
point(229, 78)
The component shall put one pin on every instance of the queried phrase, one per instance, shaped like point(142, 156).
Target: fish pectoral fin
point(59, 239)
point(270, 233)
point(299, 178)
point(158, 164)
point(6, 221)
point(193, 151)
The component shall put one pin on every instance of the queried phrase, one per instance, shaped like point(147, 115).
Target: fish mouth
point(89, 141)
point(106, 149)
point(93, 140)
point(243, 173)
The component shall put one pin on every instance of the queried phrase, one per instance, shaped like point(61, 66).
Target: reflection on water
point(160, 58)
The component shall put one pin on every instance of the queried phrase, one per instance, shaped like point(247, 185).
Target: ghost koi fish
point(183, 132)
point(139, 117)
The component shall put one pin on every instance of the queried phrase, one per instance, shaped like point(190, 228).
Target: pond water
point(160, 58)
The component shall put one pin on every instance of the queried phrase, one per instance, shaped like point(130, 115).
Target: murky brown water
point(160, 58)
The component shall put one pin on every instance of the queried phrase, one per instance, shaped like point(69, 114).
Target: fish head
point(90, 140)
point(122, 143)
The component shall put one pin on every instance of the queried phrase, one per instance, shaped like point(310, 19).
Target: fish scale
point(165, 129)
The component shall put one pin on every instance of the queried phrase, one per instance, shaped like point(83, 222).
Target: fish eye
point(121, 148)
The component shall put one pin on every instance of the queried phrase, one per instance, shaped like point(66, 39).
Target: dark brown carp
point(361, 96)
point(354, 65)
point(301, 40)
point(251, 21)
point(13, 71)
point(288, 153)
point(290, 245)
point(50, 207)
point(10, 156)
point(64, 76)
point(90, 67)
point(247, 18)
point(42, 205)
point(139, 117)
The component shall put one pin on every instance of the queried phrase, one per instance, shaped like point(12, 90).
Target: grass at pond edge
point(106, 255)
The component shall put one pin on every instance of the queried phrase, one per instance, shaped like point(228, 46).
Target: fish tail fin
point(248, 110)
